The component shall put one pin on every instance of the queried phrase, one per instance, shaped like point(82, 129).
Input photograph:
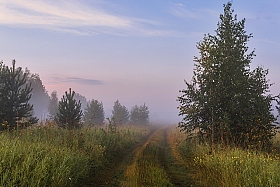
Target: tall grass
point(51, 156)
point(231, 167)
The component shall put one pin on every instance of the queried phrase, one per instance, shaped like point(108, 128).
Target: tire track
point(110, 175)
point(177, 168)
point(131, 168)
point(172, 162)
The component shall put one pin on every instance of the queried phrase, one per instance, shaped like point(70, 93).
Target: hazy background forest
point(137, 52)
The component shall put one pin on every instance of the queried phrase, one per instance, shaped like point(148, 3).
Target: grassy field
point(51, 156)
point(132, 156)
point(232, 167)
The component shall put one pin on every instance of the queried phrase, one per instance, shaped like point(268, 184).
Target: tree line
point(68, 111)
point(24, 100)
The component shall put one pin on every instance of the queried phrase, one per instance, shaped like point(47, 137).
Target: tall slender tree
point(69, 111)
point(14, 97)
point(226, 101)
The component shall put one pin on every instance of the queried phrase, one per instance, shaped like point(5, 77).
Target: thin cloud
point(181, 11)
point(72, 16)
point(76, 80)
point(59, 14)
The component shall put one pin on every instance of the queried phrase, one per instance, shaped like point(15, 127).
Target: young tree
point(69, 111)
point(139, 115)
point(226, 101)
point(14, 96)
point(120, 113)
point(39, 96)
point(53, 105)
point(94, 113)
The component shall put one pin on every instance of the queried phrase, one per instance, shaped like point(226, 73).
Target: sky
point(134, 51)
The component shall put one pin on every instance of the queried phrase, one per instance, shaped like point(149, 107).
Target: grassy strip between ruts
point(51, 156)
point(176, 164)
point(146, 168)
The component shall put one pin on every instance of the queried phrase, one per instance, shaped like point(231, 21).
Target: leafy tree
point(139, 115)
point(94, 113)
point(226, 101)
point(53, 105)
point(14, 97)
point(40, 98)
point(69, 111)
point(120, 113)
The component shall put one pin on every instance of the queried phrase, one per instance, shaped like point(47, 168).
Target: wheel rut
point(111, 175)
point(170, 159)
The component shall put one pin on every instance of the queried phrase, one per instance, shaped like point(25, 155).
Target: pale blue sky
point(135, 51)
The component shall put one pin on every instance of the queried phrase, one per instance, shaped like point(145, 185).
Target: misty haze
point(139, 93)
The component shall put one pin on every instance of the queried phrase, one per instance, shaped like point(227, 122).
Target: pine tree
point(14, 97)
point(226, 101)
point(94, 113)
point(69, 111)
point(120, 113)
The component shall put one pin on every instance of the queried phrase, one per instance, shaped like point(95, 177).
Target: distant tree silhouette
point(39, 96)
point(82, 99)
point(15, 94)
point(94, 113)
point(53, 105)
point(120, 113)
point(139, 115)
point(69, 111)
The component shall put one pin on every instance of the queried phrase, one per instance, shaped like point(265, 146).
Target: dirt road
point(171, 163)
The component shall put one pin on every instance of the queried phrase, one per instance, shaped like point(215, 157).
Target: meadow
point(130, 156)
point(230, 166)
point(52, 156)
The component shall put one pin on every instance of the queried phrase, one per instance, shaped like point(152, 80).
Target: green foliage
point(120, 113)
point(139, 115)
point(14, 97)
point(226, 102)
point(94, 113)
point(69, 111)
point(112, 125)
point(53, 105)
